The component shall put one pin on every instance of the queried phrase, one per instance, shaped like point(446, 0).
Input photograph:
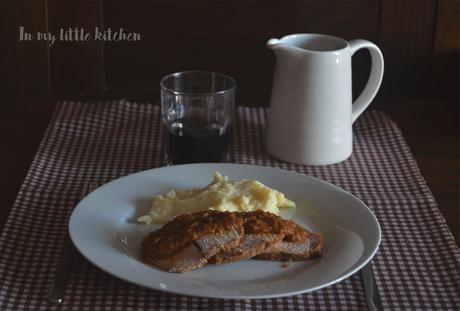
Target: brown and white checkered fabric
point(416, 267)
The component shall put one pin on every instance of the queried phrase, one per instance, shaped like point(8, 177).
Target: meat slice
point(188, 258)
point(261, 231)
point(187, 242)
point(250, 246)
point(212, 244)
point(297, 244)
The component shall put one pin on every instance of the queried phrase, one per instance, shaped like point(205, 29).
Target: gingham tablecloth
point(416, 267)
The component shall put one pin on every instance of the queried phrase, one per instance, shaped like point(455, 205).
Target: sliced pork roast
point(261, 230)
point(187, 242)
point(297, 244)
point(191, 241)
point(269, 237)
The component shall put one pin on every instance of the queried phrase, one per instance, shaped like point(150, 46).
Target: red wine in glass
point(194, 141)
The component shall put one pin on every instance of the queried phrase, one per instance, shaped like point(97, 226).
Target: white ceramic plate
point(351, 231)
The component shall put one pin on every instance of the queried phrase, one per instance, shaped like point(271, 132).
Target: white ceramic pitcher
point(311, 110)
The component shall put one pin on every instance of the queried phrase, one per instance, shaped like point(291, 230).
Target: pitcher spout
point(272, 43)
point(284, 50)
point(281, 47)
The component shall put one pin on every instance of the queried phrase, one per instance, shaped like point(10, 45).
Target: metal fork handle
point(67, 261)
point(63, 271)
point(373, 300)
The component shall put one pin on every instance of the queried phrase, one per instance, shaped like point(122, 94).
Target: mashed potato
point(221, 195)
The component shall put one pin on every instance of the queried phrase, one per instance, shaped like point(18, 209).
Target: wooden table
point(431, 129)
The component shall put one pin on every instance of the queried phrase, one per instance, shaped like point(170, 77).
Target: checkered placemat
point(416, 267)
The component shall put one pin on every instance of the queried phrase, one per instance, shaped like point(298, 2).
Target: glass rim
point(180, 73)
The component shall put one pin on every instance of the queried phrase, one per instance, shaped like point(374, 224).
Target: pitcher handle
point(375, 77)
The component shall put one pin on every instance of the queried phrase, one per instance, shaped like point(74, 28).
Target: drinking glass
point(197, 110)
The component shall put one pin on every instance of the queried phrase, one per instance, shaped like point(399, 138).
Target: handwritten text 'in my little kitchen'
point(80, 35)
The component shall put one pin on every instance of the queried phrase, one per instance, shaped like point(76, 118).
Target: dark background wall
point(419, 39)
